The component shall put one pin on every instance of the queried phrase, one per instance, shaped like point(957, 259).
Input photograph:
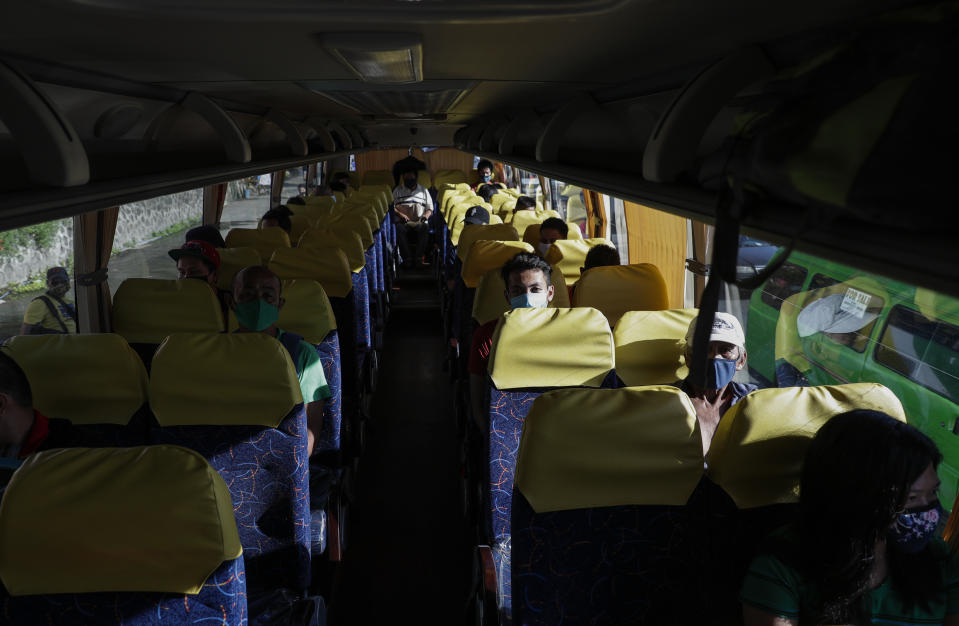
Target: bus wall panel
point(659, 238)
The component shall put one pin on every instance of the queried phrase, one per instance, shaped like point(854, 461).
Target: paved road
point(150, 259)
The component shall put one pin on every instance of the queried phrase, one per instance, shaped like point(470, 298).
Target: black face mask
point(410, 183)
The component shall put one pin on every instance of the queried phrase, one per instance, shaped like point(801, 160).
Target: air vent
point(426, 99)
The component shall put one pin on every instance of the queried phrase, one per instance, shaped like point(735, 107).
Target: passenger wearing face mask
point(486, 174)
point(550, 230)
point(726, 356)
point(412, 208)
point(864, 547)
point(527, 280)
point(199, 260)
point(256, 302)
point(51, 313)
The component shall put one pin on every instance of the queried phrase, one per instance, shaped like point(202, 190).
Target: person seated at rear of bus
point(24, 430)
point(51, 313)
point(487, 191)
point(208, 233)
point(726, 356)
point(864, 548)
point(598, 256)
point(528, 285)
point(551, 230)
point(524, 203)
point(256, 303)
point(486, 174)
point(277, 217)
point(412, 208)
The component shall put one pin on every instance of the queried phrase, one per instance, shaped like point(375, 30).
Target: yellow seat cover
point(650, 346)
point(329, 267)
point(570, 254)
point(89, 520)
point(485, 255)
point(86, 379)
point(322, 239)
point(145, 310)
point(265, 241)
point(489, 301)
point(232, 260)
point(307, 311)
point(586, 448)
point(551, 348)
point(616, 289)
point(757, 452)
point(486, 232)
point(523, 219)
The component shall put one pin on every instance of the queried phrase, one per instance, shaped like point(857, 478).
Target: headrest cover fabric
point(307, 310)
point(485, 255)
point(757, 453)
point(235, 379)
point(650, 346)
point(489, 302)
point(265, 241)
point(86, 379)
point(145, 310)
point(523, 219)
point(551, 348)
point(586, 448)
point(488, 232)
point(322, 239)
point(328, 267)
point(89, 520)
point(570, 255)
point(232, 260)
point(616, 289)
point(531, 234)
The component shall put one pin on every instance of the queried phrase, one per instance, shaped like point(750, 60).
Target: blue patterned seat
point(361, 311)
point(247, 420)
point(534, 350)
point(600, 530)
point(197, 569)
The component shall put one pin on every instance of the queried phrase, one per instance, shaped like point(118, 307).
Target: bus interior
point(787, 163)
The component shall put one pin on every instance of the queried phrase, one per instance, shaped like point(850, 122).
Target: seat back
point(616, 289)
point(232, 260)
point(650, 346)
point(599, 526)
point(534, 350)
point(161, 513)
point(486, 255)
point(265, 241)
point(235, 399)
point(322, 239)
point(483, 232)
point(570, 255)
point(522, 220)
point(299, 224)
point(489, 301)
point(97, 382)
point(531, 234)
point(146, 310)
point(443, 177)
point(378, 177)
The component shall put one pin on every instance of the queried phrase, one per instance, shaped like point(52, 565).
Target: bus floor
point(408, 555)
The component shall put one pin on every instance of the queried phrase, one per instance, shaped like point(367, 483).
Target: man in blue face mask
point(256, 303)
point(726, 356)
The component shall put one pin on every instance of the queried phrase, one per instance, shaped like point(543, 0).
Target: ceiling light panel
point(395, 58)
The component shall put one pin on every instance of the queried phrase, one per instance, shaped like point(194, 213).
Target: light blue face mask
point(529, 300)
point(719, 372)
point(487, 177)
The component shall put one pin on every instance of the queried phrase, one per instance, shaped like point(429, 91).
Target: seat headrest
point(524, 219)
point(757, 453)
point(551, 348)
point(616, 289)
point(145, 310)
point(590, 448)
point(531, 234)
point(307, 310)
point(234, 379)
point(299, 224)
point(486, 255)
point(265, 241)
point(483, 232)
point(489, 302)
point(650, 346)
point(232, 260)
point(351, 221)
point(321, 239)
point(89, 520)
point(86, 379)
point(328, 267)
point(570, 255)
point(318, 201)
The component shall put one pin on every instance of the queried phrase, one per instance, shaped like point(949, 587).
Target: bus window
point(786, 281)
point(529, 185)
point(924, 350)
point(616, 226)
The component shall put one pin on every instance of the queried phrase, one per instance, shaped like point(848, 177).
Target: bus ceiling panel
point(403, 135)
point(411, 101)
point(323, 137)
point(490, 138)
point(51, 148)
point(672, 148)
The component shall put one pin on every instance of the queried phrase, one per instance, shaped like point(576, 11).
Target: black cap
point(476, 215)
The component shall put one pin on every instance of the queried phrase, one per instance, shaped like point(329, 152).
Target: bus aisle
point(408, 556)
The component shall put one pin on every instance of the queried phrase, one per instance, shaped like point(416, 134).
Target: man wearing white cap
point(725, 357)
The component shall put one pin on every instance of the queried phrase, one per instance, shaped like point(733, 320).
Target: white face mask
point(530, 300)
point(543, 248)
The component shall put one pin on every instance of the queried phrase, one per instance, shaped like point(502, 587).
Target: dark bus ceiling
point(121, 73)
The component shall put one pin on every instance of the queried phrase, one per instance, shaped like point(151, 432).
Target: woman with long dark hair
point(864, 548)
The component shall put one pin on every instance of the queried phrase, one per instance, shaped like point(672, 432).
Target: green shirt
point(774, 587)
point(309, 371)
